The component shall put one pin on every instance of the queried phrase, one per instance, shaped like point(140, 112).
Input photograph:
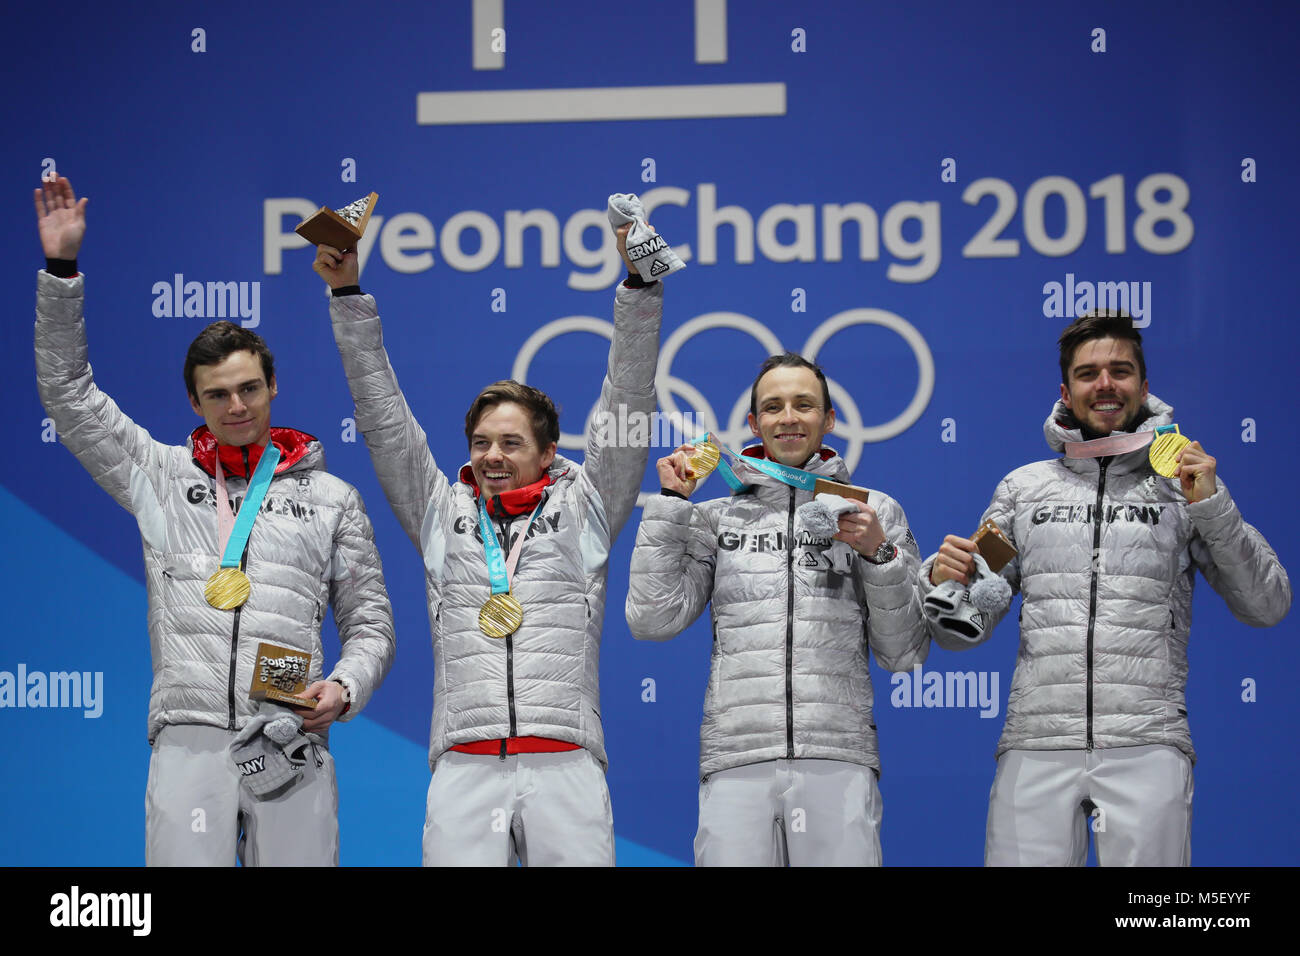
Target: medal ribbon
point(1110, 445)
point(795, 477)
point(242, 526)
point(499, 569)
point(225, 517)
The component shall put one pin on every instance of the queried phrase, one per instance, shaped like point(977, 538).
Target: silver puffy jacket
point(1103, 647)
point(311, 545)
point(543, 680)
point(793, 617)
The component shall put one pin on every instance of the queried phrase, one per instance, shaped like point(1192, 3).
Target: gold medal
point(227, 589)
point(704, 460)
point(500, 616)
point(1163, 450)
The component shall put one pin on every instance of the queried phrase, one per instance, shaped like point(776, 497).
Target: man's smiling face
point(791, 419)
point(1103, 390)
point(503, 452)
point(234, 398)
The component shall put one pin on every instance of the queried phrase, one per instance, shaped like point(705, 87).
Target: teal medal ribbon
point(501, 614)
point(497, 573)
point(252, 505)
point(229, 587)
point(795, 477)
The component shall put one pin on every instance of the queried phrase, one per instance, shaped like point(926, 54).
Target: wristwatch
point(884, 554)
point(347, 695)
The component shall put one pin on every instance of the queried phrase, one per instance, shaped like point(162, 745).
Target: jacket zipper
point(234, 651)
point(1092, 595)
point(504, 537)
point(789, 631)
point(234, 633)
point(510, 660)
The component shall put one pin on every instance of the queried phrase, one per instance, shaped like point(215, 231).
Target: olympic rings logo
point(849, 425)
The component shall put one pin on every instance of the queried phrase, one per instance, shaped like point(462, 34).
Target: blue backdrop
point(904, 183)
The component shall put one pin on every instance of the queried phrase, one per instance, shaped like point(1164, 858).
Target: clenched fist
point(675, 472)
point(338, 269)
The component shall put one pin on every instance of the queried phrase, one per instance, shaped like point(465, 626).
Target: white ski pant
point(197, 814)
point(804, 812)
point(1136, 800)
point(538, 809)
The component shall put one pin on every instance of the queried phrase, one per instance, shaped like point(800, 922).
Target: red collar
point(517, 501)
point(292, 443)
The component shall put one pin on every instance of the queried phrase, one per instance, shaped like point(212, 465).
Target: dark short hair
point(217, 341)
point(788, 360)
point(1100, 324)
point(541, 410)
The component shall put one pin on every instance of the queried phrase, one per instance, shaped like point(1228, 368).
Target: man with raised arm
point(1096, 721)
point(788, 758)
point(308, 544)
point(516, 557)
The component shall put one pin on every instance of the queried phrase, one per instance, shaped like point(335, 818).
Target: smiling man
point(516, 554)
point(1096, 725)
point(788, 755)
point(308, 545)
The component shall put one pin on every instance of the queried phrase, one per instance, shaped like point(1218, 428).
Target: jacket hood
point(297, 449)
point(1061, 427)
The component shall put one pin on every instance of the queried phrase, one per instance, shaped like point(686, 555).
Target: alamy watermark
point(126, 910)
point(69, 689)
point(1071, 299)
point(922, 688)
point(209, 300)
point(622, 427)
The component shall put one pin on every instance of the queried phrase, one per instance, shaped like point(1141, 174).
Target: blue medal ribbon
point(252, 504)
point(496, 562)
point(796, 477)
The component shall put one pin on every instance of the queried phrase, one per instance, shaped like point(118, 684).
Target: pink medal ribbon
point(1110, 445)
point(225, 517)
point(512, 559)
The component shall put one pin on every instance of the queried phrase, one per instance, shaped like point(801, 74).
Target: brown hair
point(1100, 324)
point(541, 410)
point(217, 341)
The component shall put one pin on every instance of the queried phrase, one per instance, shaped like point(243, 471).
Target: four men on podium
point(248, 539)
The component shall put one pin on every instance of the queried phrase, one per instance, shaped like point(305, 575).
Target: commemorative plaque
point(994, 546)
point(340, 228)
point(280, 675)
